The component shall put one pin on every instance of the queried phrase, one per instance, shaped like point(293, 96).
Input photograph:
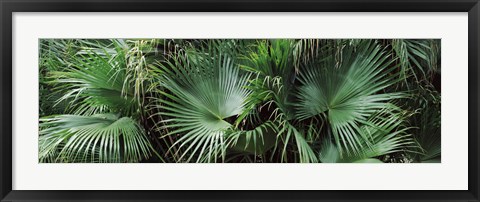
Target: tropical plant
point(93, 86)
point(234, 100)
point(202, 94)
point(347, 95)
point(386, 134)
point(96, 138)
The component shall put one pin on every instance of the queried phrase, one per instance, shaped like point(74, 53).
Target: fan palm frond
point(95, 85)
point(386, 134)
point(203, 91)
point(255, 141)
point(96, 138)
point(346, 96)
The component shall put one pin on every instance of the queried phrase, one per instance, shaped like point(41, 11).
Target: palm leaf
point(273, 63)
point(346, 96)
point(386, 134)
point(96, 138)
point(427, 122)
point(417, 58)
point(95, 85)
point(203, 90)
point(256, 141)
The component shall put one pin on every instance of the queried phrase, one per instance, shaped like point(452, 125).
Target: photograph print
point(239, 101)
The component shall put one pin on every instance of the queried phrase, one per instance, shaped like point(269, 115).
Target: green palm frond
point(306, 50)
point(274, 65)
point(272, 58)
point(417, 58)
point(427, 122)
point(96, 138)
point(255, 141)
point(55, 55)
point(139, 56)
point(329, 152)
point(386, 134)
point(95, 85)
point(203, 91)
point(346, 96)
point(288, 132)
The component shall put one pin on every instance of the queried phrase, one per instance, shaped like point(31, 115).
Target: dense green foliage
point(265, 100)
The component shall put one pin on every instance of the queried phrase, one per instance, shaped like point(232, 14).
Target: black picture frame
point(8, 7)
